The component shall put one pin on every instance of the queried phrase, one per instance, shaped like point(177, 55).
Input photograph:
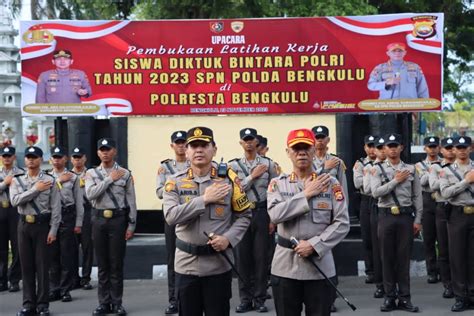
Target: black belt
point(392, 210)
point(195, 250)
point(69, 208)
point(110, 213)
point(36, 219)
point(466, 209)
point(284, 242)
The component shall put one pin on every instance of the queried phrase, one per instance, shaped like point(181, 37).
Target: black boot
point(460, 305)
point(406, 305)
point(388, 305)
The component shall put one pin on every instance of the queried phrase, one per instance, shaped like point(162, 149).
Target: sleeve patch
point(170, 185)
point(337, 191)
point(272, 186)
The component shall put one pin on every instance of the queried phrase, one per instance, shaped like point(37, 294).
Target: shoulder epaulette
point(46, 173)
point(436, 163)
point(446, 165)
point(18, 175)
point(334, 155)
point(166, 160)
point(235, 159)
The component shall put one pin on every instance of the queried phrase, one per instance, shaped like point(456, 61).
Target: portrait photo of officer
point(62, 84)
point(397, 78)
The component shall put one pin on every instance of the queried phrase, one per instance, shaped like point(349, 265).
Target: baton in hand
point(295, 243)
point(226, 257)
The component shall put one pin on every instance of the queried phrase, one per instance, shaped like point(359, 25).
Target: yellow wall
point(149, 139)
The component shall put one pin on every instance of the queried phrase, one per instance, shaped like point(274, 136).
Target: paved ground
point(148, 297)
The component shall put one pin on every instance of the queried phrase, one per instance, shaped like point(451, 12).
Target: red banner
point(242, 66)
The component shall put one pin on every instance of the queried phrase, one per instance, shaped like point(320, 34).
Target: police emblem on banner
point(237, 26)
point(216, 27)
point(424, 26)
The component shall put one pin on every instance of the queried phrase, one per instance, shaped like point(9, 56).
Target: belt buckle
point(468, 210)
point(395, 210)
point(30, 219)
point(108, 213)
point(5, 204)
point(433, 195)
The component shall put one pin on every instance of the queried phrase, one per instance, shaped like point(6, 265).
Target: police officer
point(441, 217)
point(398, 79)
point(197, 200)
point(84, 238)
point(312, 209)
point(63, 84)
point(400, 206)
point(8, 223)
point(431, 147)
point(63, 251)
point(364, 211)
point(168, 168)
point(39, 206)
point(376, 256)
point(457, 185)
point(262, 147)
point(251, 253)
point(110, 189)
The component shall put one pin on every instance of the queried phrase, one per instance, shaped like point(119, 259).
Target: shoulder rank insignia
point(337, 191)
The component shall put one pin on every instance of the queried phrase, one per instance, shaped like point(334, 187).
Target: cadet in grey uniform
point(443, 208)
point(111, 192)
point(8, 223)
point(364, 211)
point(431, 147)
point(63, 251)
point(39, 206)
point(202, 200)
point(398, 79)
point(457, 185)
point(400, 206)
point(84, 238)
point(251, 253)
point(63, 84)
point(312, 209)
point(168, 168)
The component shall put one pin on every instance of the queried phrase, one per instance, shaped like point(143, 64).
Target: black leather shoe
point(379, 292)
point(26, 312)
point(102, 309)
point(432, 278)
point(448, 292)
point(66, 298)
point(333, 308)
point(171, 309)
point(406, 305)
point(43, 311)
point(260, 308)
point(243, 308)
point(119, 310)
point(388, 305)
point(369, 279)
point(460, 305)
point(87, 286)
point(14, 287)
point(54, 296)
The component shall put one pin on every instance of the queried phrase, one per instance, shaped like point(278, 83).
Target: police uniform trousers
point(170, 241)
point(396, 243)
point(366, 229)
point(9, 237)
point(209, 295)
point(376, 255)
point(84, 241)
point(428, 222)
point(251, 258)
point(442, 211)
point(34, 256)
point(61, 271)
point(108, 235)
point(461, 254)
point(289, 296)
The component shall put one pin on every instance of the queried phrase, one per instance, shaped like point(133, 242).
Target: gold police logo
point(197, 132)
point(237, 26)
point(424, 26)
point(37, 35)
point(300, 134)
point(216, 27)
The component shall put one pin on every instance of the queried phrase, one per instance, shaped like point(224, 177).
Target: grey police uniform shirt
point(261, 183)
point(457, 192)
point(4, 189)
point(358, 174)
point(412, 81)
point(423, 169)
point(123, 189)
point(168, 168)
point(61, 86)
point(184, 207)
point(338, 172)
point(71, 194)
point(48, 201)
point(82, 184)
point(435, 171)
point(366, 179)
point(322, 220)
point(408, 192)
